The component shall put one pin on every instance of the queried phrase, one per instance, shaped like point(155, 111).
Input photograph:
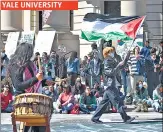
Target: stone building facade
point(68, 23)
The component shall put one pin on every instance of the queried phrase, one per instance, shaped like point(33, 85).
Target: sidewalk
point(145, 122)
point(109, 117)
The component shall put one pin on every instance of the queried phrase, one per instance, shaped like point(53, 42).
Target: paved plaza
point(145, 122)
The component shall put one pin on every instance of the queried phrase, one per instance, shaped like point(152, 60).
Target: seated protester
point(47, 82)
point(97, 90)
point(158, 98)
point(49, 91)
point(141, 99)
point(63, 82)
point(6, 100)
point(87, 102)
point(65, 101)
point(58, 87)
point(57, 91)
point(79, 89)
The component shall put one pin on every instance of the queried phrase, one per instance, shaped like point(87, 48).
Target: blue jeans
point(9, 109)
point(110, 95)
point(145, 77)
point(67, 107)
point(86, 110)
point(124, 81)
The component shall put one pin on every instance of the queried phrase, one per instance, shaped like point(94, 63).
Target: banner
point(27, 37)
point(11, 43)
point(44, 41)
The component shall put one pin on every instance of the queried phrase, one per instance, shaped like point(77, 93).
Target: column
point(132, 8)
point(11, 20)
point(27, 20)
point(59, 21)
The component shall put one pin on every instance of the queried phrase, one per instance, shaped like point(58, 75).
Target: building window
point(40, 20)
point(71, 20)
point(112, 7)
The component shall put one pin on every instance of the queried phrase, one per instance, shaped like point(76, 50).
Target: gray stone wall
point(154, 20)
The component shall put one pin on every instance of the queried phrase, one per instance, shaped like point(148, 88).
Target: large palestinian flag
point(97, 26)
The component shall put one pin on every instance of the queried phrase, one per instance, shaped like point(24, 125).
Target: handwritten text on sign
point(39, 5)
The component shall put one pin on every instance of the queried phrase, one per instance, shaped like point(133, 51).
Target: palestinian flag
point(97, 26)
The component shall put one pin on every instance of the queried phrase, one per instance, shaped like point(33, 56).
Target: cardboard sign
point(27, 37)
point(46, 14)
point(11, 43)
point(44, 41)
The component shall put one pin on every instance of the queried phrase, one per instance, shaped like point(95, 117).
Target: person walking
point(111, 93)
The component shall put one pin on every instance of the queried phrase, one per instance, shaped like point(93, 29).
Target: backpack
point(75, 109)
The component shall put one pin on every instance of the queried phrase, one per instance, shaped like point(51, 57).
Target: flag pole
point(132, 44)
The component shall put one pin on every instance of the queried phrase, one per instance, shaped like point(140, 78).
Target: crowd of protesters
point(76, 86)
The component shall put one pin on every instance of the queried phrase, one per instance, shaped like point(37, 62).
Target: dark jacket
point(149, 64)
point(111, 69)
point(17, 80)
point(145, 51)
point(91, 67)
point(117, 58)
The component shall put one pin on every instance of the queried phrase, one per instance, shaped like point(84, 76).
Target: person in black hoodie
point(111, 94)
